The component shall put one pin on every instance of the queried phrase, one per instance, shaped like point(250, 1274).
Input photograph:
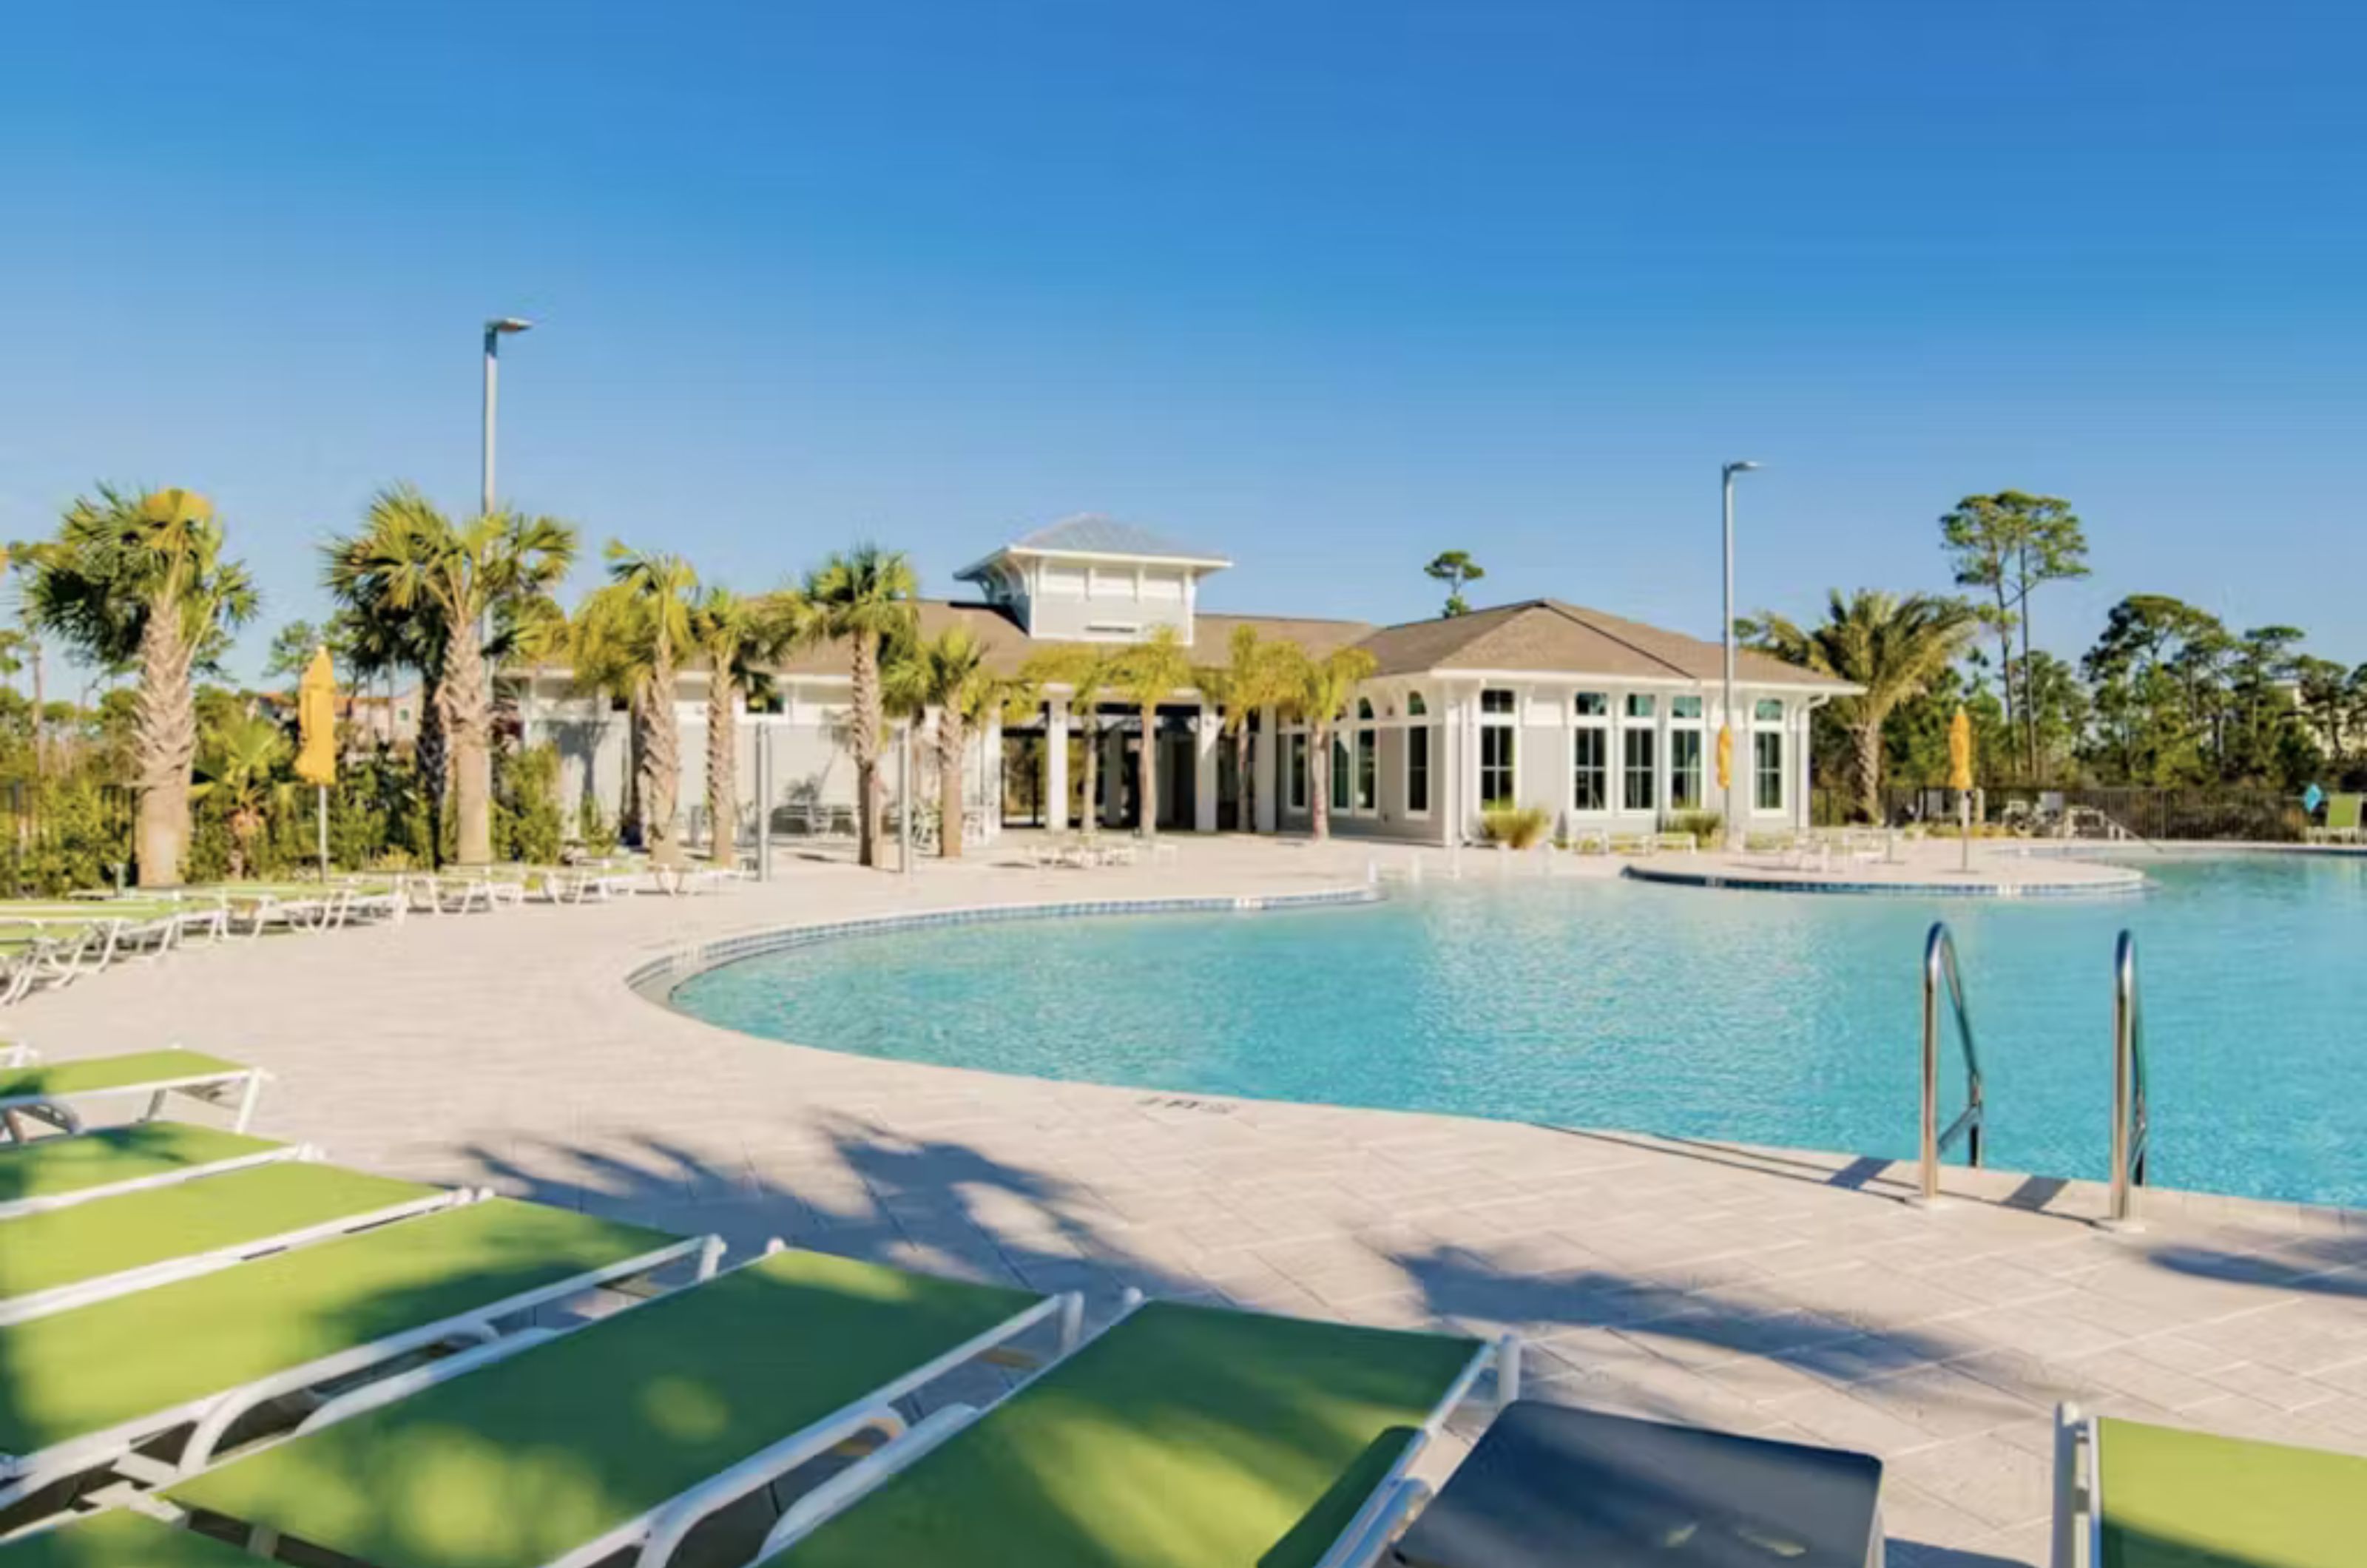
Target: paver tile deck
point(1772, 1291)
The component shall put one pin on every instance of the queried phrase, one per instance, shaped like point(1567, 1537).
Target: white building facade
point(1600, 722)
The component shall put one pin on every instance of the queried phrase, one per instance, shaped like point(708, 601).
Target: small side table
point(1549, 1486)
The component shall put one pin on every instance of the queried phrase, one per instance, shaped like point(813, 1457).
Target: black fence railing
point(2257, 816)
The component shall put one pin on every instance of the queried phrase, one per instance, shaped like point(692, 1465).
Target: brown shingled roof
point(1551, 637)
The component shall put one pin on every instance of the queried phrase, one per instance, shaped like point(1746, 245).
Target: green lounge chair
point(87, 1387)
point(68, 1258)
point(119, 1540)
point(52, 1173)
point(1183, 1437)
point(2343, 820)
point(49, 1091)
point(2132, 1496)
point(624, 1435)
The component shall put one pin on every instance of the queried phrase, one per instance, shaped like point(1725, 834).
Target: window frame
point(1417, 740)
point(1650, 735)
point(1506, 722)
point(1364, 789)
point(1596, 722)
point(1294, 776)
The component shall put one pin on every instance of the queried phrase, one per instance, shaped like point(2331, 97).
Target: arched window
point(1417, 757)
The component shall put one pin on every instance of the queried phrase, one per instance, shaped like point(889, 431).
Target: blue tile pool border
point(657, 978)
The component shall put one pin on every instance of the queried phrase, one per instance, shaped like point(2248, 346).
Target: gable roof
point(1550, 637)
point(1090, 534)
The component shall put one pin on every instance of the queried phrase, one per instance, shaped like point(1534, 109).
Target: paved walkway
point(1764, 1292)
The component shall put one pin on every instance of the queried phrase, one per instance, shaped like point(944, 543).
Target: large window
point(1591, 769)
point(1342, 764)
point(1498, 748)
point(1767, 769)
point(1767, 755)
point(1368, 758)
point(1685, 770)
point(1685, 707)
point(1636, 748)
point(1293, 753)
point(1417, 743)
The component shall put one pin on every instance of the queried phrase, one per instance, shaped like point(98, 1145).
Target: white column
point(1204, 770)
point(1265, 762)
point(990, 775)
point(1056, 764)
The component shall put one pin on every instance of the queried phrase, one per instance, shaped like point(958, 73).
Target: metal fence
point(2257, 816)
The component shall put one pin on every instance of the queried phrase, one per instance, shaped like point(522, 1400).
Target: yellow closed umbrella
point(1960, 776)
point(316, 721)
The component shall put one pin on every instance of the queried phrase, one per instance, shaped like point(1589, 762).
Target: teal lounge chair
point(623, 1436)
point(54, 1173)
point(49, 1092)
point(87, 1387)
point(2133, 1496)
point(1184, 1437)
point(71, 1256)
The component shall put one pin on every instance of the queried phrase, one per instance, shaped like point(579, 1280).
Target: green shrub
point(1519, 828)
point(1707, 827)
point(526, 822)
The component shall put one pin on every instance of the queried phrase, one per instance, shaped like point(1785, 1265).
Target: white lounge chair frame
point(209, 1086)
point(662, 1529)
point(159, 1178)
point(164, 1271)
point(215, 1414)
point(1360, 1544)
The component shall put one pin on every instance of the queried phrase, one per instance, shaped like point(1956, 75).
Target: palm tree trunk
point(865, 694)
point(722, 771)
point(949, 784)
point(660, 760)
point(1147, 772)
point(164, 734)
point(1869, 768)
point(1321, 749)
point(469, 706)
point(431, 755)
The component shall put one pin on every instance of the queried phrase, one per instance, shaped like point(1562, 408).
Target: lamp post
point(495, 330)
point(1735, 838)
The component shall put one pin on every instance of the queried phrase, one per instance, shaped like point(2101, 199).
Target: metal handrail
point(2132, 1117)
point(1940, 972)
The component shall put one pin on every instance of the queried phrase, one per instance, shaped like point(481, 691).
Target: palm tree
point(1255, 676)
point(1894, 647)
point(1087, 671)
point(949, 675)
point(423, 590)
point(739, 638)
point(145, 578)
point(1147, 673)
point(238, 762)
point(1324, 688)
point(630, 635)
point(864, 595)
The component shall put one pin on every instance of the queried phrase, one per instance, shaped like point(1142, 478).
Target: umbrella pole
point(321, 823)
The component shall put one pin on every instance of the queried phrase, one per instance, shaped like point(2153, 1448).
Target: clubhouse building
point(1602, 722)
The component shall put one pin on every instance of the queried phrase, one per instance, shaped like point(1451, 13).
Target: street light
point(494, 331)
point(1735, 840)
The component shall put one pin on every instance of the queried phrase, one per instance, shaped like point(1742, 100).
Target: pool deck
point(1771, 1291)
point(1919, 868)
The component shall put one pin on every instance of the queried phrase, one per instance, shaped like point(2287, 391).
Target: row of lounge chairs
point(50, 943)
point(216, 1348)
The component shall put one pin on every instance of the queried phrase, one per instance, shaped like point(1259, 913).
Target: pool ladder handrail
point(1940, 972)
point(2132, 1115)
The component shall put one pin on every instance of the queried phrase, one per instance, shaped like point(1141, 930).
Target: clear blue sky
point(1326, 288)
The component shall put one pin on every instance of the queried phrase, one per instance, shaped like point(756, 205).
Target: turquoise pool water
point(1760, 1017)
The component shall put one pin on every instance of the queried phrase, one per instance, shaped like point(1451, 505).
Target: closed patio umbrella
point(316, 720)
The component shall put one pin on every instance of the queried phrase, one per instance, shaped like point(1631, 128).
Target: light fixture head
point(1743, 466)
point(506, 324)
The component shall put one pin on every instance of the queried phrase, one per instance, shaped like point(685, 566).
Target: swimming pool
point(1756, 1017)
